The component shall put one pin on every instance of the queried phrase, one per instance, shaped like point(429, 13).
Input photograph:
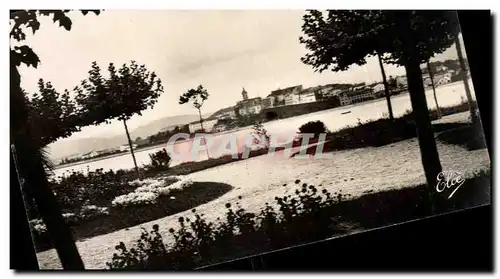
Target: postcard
point(178, 139)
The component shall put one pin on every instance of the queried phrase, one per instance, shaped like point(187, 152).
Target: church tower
point(244, 94)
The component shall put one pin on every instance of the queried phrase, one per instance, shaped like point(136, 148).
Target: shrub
point(309, 215)
point(263, 138)
point(313, 127)
point(198, 239)
point(160, 160)
point(96, 187)
point(150, 191)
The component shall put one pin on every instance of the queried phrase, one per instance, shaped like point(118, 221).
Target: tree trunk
point(201, 120)
point(31, 169)
point(131, 148)
point(431, 75)
point(386, 88)
point(201, 123)
point(20, 234)
point(463, 73)
point(425, 133)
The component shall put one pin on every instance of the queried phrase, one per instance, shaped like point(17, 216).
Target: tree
point(463, 74)
point(409, 38)
point(386, 87)
point(431, 76)
point(198, 96)
point(126, 92)
point(52, 115)
point(26, 150)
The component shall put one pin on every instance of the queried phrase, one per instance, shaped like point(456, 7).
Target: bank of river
point(334, 119)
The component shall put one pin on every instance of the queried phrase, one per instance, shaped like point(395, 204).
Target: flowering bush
point(135, 198)
point(197, 238)
point(88, 212)
point(150, 191)
point(38, 225)
point(97, 187)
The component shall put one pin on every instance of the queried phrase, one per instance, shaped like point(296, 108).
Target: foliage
point(97, 187)
point(343, 38)
point(127, 91)
point(160, 160)
point(261, 137)
point(311, 214)
point(32, 162)
point(198, 96)
point(150, 191)
point(22, 19)
point(313, 127)
point(52, 115)
point(197, 239)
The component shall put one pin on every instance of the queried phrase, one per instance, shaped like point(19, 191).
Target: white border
point(205, 4)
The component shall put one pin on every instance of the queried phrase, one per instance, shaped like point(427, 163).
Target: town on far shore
point(283, 103)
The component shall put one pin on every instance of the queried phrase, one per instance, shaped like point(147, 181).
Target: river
point(447, 95)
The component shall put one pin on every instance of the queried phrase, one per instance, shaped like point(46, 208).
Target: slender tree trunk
point(131, 148)
point(428, 150)
point(463, 73)
point(386, 88)
point(201, 120)
point(201, 123)
point(31, 169)
point(431, 75)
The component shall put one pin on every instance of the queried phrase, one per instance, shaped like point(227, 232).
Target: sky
point(224, 50)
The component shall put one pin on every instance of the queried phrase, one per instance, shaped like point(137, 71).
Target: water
point(447, 95)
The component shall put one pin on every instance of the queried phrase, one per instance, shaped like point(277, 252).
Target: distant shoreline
point(233, 130)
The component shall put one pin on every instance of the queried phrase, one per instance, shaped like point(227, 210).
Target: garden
point(99, 202)
point(313, 213)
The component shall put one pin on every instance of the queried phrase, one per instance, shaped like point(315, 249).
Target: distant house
point(291, 99)
point(379, 89)
point(307, 97)
point(208, 125)
point(126, 147)
point(401, 81)
point(268, 102)
point(443, 80)
point(356, 95)
point(332, 93)
point(281, 94)
point(248, 106)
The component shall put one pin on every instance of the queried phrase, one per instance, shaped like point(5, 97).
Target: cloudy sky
point(223, 50)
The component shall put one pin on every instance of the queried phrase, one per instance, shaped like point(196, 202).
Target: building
point(401, 82)
point(244, 94)
point(356, 95)
point(307, 97)
point(268, 102)
point(126, 147)
point(331, 93)
point(291, 99)
point(280, 94)
point(208, 125)
point(248, 106)
point(443, 80)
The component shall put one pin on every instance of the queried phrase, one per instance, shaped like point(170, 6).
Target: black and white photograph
point(179, 139)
